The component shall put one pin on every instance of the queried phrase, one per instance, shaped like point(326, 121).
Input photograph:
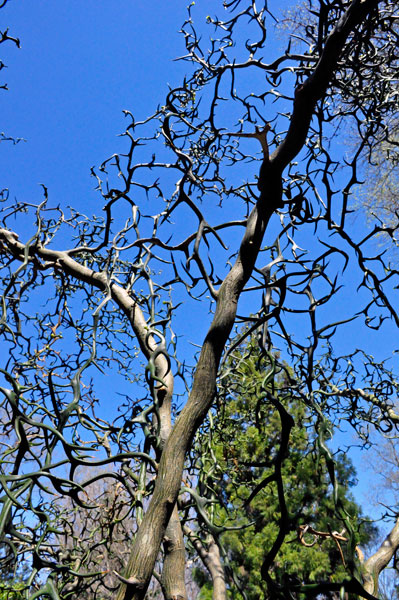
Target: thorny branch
point(175, 207)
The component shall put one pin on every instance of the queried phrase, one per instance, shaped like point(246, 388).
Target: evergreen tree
point(240, 467)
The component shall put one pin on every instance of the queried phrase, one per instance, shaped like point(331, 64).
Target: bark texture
point(150, 534)
point(210, 557)
point(379, 560)
point(173, 571)
point(176, 441)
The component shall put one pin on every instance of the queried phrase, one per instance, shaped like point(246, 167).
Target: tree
point(95, 539)
point(175, 201)
point(378, 196)
point(383, 461)
point(238, 451)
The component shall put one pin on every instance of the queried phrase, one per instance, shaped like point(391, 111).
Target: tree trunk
point(379, 560)
point(211, 560)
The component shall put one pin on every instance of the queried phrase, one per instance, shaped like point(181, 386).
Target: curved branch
point(373, 566)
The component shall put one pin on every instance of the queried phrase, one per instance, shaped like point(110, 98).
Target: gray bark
point(211, 559)
point(155, 522)
point(373, 566)
point(150, 534)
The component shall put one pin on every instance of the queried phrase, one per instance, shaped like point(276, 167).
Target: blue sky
point(80, 64)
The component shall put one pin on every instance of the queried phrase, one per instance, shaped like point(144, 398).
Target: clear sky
point(80, 64)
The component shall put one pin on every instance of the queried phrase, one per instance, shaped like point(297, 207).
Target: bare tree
point(379, 194)
point(186, 210)
point(382, 461)
point(96, 536)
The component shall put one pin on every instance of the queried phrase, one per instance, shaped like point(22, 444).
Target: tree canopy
point(238, 451)
point(227, 207)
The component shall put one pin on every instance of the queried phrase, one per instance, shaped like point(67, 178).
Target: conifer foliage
point(227, 207)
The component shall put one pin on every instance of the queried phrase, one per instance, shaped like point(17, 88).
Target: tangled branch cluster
point(185, 213)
